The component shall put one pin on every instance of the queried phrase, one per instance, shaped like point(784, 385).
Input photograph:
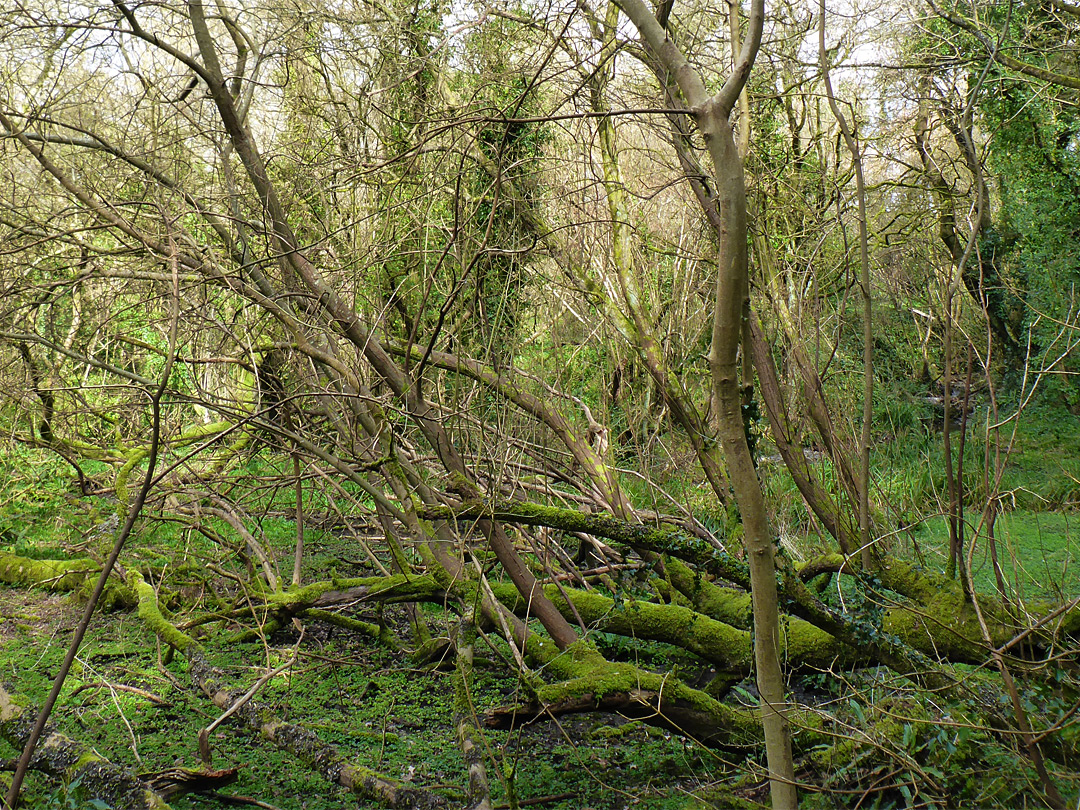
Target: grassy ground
point(374, 704)
point(386, 714)
point(1037, 497)
point(1039, 552)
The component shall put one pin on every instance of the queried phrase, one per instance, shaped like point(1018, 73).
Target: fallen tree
point(65, 758)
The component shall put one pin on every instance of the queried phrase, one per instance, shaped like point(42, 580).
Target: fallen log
point(297, 740)
point(69, 760)
point(63, 576)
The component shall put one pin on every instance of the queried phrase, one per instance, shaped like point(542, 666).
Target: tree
point(364, 282)
point(711, 114)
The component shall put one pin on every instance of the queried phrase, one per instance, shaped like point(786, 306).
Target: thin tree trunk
point(711, 114)
point(298, 555)
point(865, 548)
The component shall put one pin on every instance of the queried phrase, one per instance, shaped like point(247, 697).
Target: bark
point(67, 759)
point(928, 615)
point(711, 114)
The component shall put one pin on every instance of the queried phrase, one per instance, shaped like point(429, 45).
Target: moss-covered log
point(52, 575)
point(904, 639)
point(585, 681)
point(63, 576)
point(318, 599)
point(945, 628)
point(942, 602)
point(478, 795)
point(69, 760)
point(726, 648)
point(331, 593)
point(589, 682)
point(297, 740)
point(937, 618)
point(138, 454)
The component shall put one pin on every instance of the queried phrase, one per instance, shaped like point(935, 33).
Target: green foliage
point(1035, 239)
point(71, 796)
point(36, 510)
point(894, 753)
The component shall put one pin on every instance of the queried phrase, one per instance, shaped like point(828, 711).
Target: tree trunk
point(712, 113)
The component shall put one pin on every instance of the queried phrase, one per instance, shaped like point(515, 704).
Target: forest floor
point(376, 705)
point(381, 709)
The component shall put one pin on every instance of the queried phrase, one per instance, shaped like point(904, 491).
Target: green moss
point(804, 645)
point(150, 612)
point(120, 483)
point(138, 454)
point(584, 673)
point(395, 588)
point(723, 604)
point(54, 575)
point(632, 728)
point(64, 576)
point(85, 758)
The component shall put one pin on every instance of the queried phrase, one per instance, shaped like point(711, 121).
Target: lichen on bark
point(63, 757)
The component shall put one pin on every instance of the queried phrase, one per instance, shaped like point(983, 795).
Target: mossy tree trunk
point(61, 756)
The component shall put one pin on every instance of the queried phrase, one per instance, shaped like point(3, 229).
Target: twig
point(555, 797)
point(231, 799)
point(119, 687)
point(204, 734)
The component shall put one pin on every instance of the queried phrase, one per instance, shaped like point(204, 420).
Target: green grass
point(1038, 492)
point(371, 703)
point(1039, 552)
